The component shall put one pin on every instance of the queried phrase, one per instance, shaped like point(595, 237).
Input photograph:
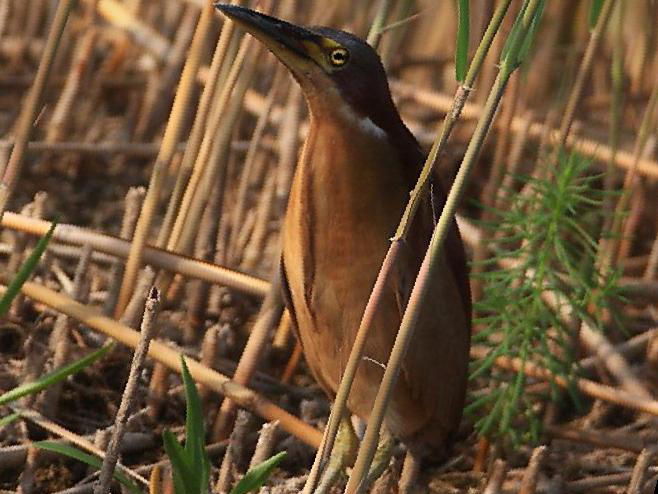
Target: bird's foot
point(344, 454)
point(382, 457)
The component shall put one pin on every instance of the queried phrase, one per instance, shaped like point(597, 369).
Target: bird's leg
point(342, 455)
point(382, 457)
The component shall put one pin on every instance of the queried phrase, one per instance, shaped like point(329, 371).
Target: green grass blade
point(181, 469)
point(4, 421)
point(194, 431)
point(53, 377)
point(463, 33)
point(91, 460)
point(25, 271)
point(594, 12)
point(258, 475)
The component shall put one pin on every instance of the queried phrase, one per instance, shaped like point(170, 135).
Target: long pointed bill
point(288, 42)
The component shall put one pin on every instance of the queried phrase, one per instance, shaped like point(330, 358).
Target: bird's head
point(334, 68)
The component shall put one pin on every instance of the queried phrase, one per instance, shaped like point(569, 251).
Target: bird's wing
point(287, 296)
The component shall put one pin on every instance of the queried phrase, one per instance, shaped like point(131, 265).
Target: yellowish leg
point(382, 457)
point(342, 456)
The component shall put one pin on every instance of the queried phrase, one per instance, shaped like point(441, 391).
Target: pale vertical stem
point(198, 127)
point(583, 72)
point(377, 27)
point(29, 110)
point(609, 253)
point(249, 161)
point(139, 356)
point(205, 150)
point(169, 141)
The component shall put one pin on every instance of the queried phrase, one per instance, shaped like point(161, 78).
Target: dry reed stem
point(586, 386)
point(155, 480)
point(185, 169)
point(266, 442)
point(496, 479)
point(588, 147)
point(73, 438)
point(636, 485)
point(240, 206)
point(208, 355)
point(282, 334)
point(133, 149)
point(597, 437)
point(132, 206)
point(62, 112)
point(124, 18)
point(157, 257)
point(155, 105)
point(253, 253)
point(531, 474)
point(293, 362)
point(139, 356)
point(211, 151)
point(170, 140)
point(234, 453)
point(162, 353)
point(409, 474)
point(59, 338)
point(11, 172)
point(204, 249)
point(288, 141)
point(584, 70)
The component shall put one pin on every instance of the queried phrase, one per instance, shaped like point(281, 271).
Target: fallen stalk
point(168, 356)
point(187, 266)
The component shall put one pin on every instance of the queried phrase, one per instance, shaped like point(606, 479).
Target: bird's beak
point(292, 44)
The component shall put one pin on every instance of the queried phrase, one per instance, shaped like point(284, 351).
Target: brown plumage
point(352, 182)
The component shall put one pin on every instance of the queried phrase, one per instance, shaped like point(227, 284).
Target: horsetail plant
point(547, 245)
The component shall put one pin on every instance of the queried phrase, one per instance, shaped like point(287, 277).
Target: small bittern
point(351, 185)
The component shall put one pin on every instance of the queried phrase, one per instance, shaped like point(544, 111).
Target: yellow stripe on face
point(318, 52)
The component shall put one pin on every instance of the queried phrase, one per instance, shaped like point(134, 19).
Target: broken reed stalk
point(30, 108)
point(451, 118)
point(529, 481)
point(432, 257)
point(139, 356)
point(172, 134)
point(268, 317)
point(166, 355)
point(59, 339)
point(82, 442)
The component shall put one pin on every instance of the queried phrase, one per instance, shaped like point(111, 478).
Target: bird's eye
point(339, 57)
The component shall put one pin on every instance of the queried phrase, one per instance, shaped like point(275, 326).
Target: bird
point(351, 184)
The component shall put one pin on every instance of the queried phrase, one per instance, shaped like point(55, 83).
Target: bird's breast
point(348, 194)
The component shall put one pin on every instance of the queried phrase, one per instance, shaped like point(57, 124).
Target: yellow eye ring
point(339, 57)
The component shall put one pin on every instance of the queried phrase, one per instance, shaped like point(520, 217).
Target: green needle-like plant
point(533, 309)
